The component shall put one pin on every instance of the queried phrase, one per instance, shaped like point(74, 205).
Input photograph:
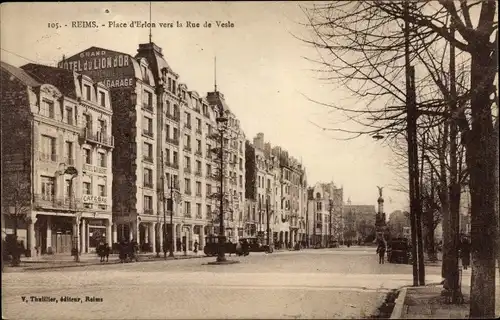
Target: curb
point(397, 312)
point(75, 265)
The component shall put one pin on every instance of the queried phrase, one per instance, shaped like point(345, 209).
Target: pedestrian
point(184, 248)
point(381, 252)
point(245, 247)
point(195, 247)
point(101, 251)
point(107, 250)
point(123, 251)
point(465, 253)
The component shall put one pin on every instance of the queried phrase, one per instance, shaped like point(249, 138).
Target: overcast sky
point(260, 69)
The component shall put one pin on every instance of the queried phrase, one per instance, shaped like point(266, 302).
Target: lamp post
point(268, 225)
point(74, 173)
point(171, 205)
point(221, 122)
point(330, 204)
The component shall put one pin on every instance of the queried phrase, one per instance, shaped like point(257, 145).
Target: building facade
point(61, 127)
point(359, 222)
point(326, 219)
point(275, 188)
point(164, 141)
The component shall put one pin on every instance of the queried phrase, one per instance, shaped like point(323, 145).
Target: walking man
point(381, 252)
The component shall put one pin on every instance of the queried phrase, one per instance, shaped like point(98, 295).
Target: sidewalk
point(427, 303)
point(47, 262)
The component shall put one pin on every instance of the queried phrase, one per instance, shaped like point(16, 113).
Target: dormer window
point(102, 99)
point(47, 109)
point(145, 75)
point(87, 92)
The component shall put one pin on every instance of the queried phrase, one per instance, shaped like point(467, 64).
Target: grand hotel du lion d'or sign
point(112, 68)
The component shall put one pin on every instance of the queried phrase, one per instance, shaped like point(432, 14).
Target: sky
point(262, 71)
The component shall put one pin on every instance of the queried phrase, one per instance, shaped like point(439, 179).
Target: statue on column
point(380, 191)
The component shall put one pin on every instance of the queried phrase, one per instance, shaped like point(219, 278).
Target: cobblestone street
point(334, 283)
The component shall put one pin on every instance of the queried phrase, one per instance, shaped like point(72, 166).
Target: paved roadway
point(325, 283)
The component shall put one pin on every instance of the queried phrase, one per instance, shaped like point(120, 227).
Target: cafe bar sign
point(87, 198)
point(113, 69)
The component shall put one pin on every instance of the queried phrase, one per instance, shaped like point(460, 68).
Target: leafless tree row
point(453, 45)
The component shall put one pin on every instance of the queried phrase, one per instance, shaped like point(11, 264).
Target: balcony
point(187, 149)
point(206, 114)
point(173, 141)
point(148, 211)
point(187, 126)
point(47, 201)
point(47, 157)
point(187, 170)
point(198, 173)
point(147, 106)
point(198, 153)
point(148, 133)
point(198, 131)
point(187, 214)
point(148, 185)
point(172, 165)
point(99, 138)
point(188, 192)
point(175, 117)
point(148, 159)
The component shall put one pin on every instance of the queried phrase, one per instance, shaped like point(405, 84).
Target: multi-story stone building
point(275, 185)
point(59, 128)
point(163, 148)
point(293, 182)
point(359, 222)
point(326, 220)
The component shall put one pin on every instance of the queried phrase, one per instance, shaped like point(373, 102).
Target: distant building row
point(92, 149)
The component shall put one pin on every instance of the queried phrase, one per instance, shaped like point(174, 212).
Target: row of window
point(148, 208)
point(87, 95)
point(48, 152)
point(68, 115)
point(48, 190)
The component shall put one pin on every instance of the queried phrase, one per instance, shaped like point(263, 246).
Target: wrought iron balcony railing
point(47, 157)
point(148, 211)
point(147, 106)
point(148, 133)
point(98, 138)
point(148, 159)
point(48, 201)
point(173, 141)
point(172, 165)
point(176, 117)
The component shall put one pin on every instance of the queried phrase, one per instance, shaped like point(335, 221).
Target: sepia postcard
point(249, 160)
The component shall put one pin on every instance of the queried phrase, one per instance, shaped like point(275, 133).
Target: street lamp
point(221, 123)
point(171, 205)
point(74, 173)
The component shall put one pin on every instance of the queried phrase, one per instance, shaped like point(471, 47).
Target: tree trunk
point(444, 198)
point(481, 163)
point(497, 190)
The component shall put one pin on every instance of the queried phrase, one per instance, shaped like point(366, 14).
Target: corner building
point(163, 148)
point(59, 125)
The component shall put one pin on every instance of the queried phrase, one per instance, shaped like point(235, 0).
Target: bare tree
point(17, 205)
point(362, 46)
